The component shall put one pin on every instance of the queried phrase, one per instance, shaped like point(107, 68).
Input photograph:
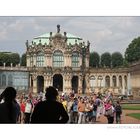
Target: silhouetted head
point(51, 93)
point(9, 94)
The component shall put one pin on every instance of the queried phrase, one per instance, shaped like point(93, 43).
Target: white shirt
point(28, 108)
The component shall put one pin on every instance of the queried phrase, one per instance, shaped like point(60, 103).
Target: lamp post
point(83, 68)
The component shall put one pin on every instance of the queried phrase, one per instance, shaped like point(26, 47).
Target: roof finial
point(58, 28)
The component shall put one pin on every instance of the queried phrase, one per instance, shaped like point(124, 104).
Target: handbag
point(109, 112)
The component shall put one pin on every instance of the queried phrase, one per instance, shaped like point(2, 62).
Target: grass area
point(134, 115)
point(131, 107)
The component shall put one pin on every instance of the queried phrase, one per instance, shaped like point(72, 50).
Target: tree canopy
point(132, 53)
point(23, 60)
point(117, 59)
point(94, 59)
point(8, 58)
point(106, 59)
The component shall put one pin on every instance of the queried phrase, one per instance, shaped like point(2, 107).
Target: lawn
point(131, 106)
point(134, 115)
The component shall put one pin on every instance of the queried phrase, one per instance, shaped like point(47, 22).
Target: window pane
point(40, 60)
point(75, 59)
point(58, 59)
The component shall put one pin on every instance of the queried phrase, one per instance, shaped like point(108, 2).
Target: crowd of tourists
point(75, 109)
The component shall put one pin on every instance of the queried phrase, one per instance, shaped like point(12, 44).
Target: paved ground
point(124, 119)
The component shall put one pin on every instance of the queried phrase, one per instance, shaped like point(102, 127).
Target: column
point(64, 83)
point(45, 60)
point(50, 60)
point(103, 81)
point(69, 83)
point(70, 60)
point(123, 85)
point(45, 82)
point(34, 84)
point(80, 60)
point(80, 80)
point(87, 84)
point(117, 80)
point(65, 60)
point(34, 59)
point(128, 84)
point(87, 61)
point(50, 80)
point(30, 81)
point(28, 61)
point(111, 81)
point(96, 79)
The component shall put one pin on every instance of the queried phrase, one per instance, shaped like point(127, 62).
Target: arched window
point(92, 81)
point(120, 81)
point(58, 59)
point(40, 59)
point(107, 81)
point(100, 79)
point(114, 81)
point(10, 81)
point(75, 59)
point(3, 80)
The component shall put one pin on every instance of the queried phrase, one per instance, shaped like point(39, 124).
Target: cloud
point(104, 33)
point(3, 34)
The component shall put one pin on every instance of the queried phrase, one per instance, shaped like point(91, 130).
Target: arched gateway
point(40, 84)
point(58, 82)
point(75, 84)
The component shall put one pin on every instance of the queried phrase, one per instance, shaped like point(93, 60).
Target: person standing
point(49, 111)
point(118, 111)
point(94, 112)
point(9, 109)
point(81, 110)
point(28, 110)
point(70, 110)
point(75, 110)
point(109, 111)
point(22, 108)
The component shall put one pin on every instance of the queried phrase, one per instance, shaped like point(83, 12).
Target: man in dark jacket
point(49, 111)
point(118, 110)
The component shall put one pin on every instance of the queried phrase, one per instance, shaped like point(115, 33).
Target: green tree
point(8, 58)
point(106, 59)
point(117, 59)
point(4, 58)
point(132, 53)
point(94, 59)
point(23, 59)
point(15, 58)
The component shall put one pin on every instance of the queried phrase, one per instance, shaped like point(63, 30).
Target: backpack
point(75, 107)
point(118, 109)
point(97, 102)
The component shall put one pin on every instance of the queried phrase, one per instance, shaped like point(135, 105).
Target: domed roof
point(45, 38)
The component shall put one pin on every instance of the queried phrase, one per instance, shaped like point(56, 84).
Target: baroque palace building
point(62, 60)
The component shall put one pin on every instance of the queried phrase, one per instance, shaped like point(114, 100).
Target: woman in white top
point(28, 111)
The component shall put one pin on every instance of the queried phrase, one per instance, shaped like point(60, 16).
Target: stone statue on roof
point(58, 28)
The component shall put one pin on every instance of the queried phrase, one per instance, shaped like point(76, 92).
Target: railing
point(14, 68)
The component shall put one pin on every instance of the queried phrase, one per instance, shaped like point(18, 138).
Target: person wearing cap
point(49, 111)
point(9, 109)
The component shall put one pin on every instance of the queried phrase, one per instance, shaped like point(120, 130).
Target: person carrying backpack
point(118, 110)
point(75, 110)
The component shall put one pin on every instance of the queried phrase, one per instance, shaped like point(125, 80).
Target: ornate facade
point(135, 79)
point(62, 60)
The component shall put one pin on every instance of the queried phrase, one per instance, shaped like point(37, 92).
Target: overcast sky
point(106, 34)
